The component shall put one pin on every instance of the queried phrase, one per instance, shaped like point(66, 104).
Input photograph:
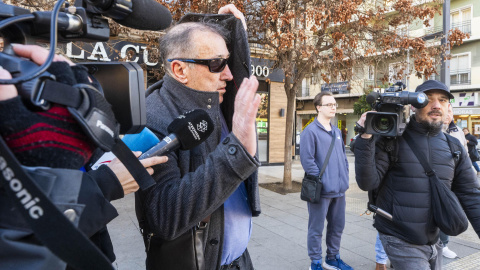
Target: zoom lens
point(383, 123)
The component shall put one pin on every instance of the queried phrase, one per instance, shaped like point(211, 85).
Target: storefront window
point(262, 127)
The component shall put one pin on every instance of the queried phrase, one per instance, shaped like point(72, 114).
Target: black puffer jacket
point(405, 192)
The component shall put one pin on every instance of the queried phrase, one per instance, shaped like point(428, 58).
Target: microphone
point(372, 97)
point(186, 132)
point(138, 14)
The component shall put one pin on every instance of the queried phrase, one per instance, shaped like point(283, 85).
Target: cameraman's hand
point(126, 180)
point(7, 91)
point(246, 107)
point(361, 122)
point(37, 54)
point(232, 9)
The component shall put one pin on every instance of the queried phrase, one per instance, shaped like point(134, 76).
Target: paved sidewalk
point(279, 237)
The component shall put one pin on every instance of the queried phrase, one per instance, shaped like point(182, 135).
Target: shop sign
point(336, 88)
point(308, 123)
point(465, 99)
point(264, 68)
point(260, 71)
point(107, 52)
point(466, 111)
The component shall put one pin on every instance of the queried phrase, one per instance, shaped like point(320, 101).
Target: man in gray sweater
point(198, 215)
point(314, 144)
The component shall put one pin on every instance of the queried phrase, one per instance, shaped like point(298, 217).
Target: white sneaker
point(447, 253)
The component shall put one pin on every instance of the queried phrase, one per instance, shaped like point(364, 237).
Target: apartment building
point(464, 64)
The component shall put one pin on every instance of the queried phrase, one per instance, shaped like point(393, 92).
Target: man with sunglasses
point(315, 142)
point(198, 215)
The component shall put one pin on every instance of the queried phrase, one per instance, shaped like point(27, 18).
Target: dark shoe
point(337, 264)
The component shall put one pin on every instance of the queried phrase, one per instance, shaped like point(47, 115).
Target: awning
point(341, 111)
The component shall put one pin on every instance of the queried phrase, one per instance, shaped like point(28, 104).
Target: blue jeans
point(406, 256)
point(444, 238)
point(475, 165)
point(380, 255)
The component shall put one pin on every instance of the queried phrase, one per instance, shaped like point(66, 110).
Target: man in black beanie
point(411, 240)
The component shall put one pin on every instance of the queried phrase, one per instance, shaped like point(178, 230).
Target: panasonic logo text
point(104, 127)
point(29, 203)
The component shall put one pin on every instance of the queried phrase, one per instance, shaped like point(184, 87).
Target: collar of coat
point(187, 98)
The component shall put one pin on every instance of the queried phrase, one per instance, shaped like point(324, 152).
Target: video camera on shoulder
point(389, 120)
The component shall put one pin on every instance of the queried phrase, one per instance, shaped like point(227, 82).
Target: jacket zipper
point(149, 239)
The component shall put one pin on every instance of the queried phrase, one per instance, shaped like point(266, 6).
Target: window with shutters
point(461, 19)
point(460, 69)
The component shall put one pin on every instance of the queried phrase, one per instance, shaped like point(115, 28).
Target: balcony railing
point(370, 84)
point(305, 92)
point(433, 29)
point(465, 26)
point(457, 77)
point(460, 77)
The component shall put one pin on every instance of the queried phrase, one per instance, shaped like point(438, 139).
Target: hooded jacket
point(405, 191)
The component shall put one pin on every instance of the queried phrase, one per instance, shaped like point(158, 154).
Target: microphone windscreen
point(147, 15)
point(372, 97)
point(141, 141)
point(191, 128)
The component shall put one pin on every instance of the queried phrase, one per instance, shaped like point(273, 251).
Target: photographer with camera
point(54, 146)
point(409, 192)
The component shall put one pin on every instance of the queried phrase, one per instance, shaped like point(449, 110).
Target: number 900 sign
point(260, 71)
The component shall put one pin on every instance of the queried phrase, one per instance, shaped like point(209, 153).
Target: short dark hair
point(177, 42)
point(318, 98)
point(466, 129)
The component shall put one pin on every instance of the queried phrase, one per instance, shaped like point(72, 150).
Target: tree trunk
point(287, 167)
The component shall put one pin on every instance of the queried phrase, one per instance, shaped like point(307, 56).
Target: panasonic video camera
point(390, 117)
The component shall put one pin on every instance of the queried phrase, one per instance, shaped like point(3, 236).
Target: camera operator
point(411, 238)
point(52, 138)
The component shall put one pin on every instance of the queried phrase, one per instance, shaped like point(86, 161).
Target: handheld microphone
point(186, 132)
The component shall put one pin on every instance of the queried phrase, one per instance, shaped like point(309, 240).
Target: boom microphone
point(186, 132)
point(138, 14)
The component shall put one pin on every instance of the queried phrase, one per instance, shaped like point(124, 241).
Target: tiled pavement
point(279, 234)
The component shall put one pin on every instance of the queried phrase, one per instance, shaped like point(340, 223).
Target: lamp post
point(445, 69)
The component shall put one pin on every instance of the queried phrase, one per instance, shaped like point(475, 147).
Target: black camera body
point(122, 83)
point(390, 118)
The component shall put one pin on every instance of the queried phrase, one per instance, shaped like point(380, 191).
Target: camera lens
point(383, 123)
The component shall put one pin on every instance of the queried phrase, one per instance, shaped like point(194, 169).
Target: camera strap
point(98, 123)
point(49, 225)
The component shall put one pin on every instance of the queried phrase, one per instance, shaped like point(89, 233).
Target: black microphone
point(186, 132)
point(144, 15)
point(372, 97)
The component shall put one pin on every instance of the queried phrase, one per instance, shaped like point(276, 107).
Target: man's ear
point(413, 109)
point(179, 71)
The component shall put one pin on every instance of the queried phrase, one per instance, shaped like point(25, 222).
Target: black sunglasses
point(215, 65)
